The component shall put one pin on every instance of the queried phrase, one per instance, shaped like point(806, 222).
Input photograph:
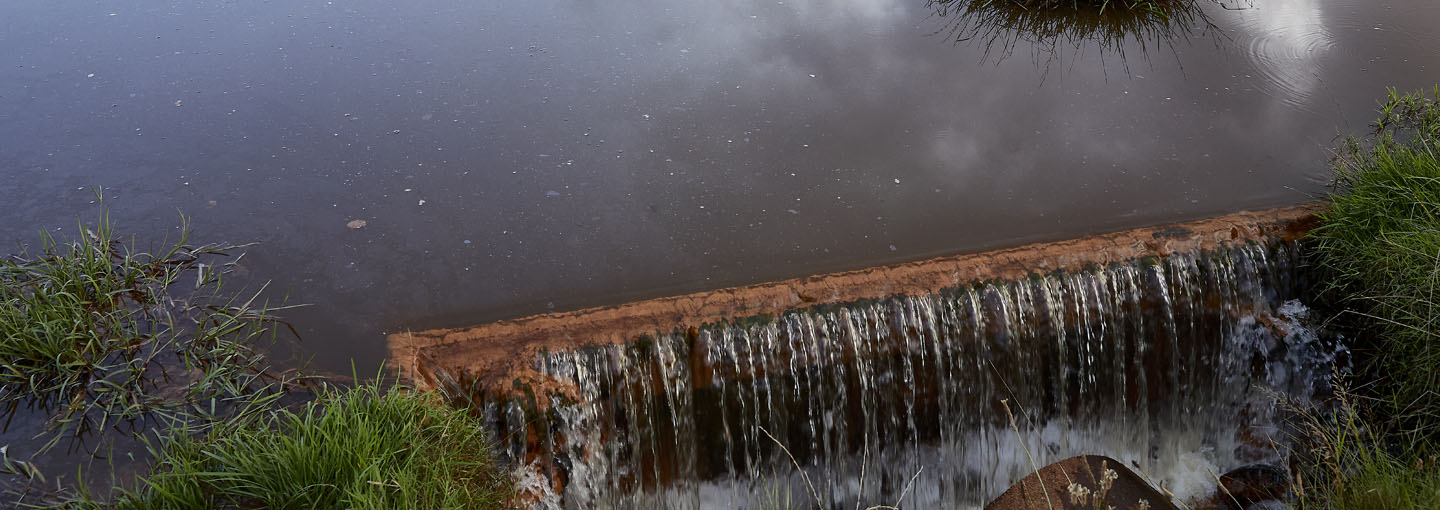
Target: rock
point(1251, 487)
point(1083, 482)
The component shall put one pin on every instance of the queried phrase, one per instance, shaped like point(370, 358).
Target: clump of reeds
point(1051, 25)
point(1348, 460)
point(1379, 249)
point(1378, 252)
point(100, 335)
point(355, 448)
point(108, 338)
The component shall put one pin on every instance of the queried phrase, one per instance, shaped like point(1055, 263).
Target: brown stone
point(1050, 488)
point(1244, 487)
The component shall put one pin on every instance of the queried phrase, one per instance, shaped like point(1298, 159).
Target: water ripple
point(1286, 41)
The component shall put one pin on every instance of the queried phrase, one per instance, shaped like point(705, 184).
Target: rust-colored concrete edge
point(498, 351)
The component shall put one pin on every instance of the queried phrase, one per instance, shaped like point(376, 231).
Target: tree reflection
point(1049, 27)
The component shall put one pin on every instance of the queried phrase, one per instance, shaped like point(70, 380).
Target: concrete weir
point(1152, 345)
point(494, 355)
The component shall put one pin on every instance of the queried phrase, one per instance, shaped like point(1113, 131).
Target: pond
point(510, 158)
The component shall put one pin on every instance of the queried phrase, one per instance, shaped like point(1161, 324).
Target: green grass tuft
point(1347, 463)
point(359, 448)
point(1378, 252)
point(1379, 247)
point(101, 335)
point(146, 346)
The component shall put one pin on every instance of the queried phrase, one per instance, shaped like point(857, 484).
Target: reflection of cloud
point(778, 108)
point(865, 11)
point(1285, 40)
point(679, 137)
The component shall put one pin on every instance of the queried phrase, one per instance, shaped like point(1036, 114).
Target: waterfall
point(1171, 364)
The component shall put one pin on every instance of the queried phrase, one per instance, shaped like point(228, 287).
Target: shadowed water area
point(519, 157)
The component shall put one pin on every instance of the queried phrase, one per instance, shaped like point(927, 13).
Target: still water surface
point(515, 157)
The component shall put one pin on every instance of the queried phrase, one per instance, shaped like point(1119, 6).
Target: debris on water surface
point(422, 202)
point(552, 193)
point(356, 224)
point(177, 102)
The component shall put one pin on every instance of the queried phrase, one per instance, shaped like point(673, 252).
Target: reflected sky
point(1288, 42)
point(518, 157)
